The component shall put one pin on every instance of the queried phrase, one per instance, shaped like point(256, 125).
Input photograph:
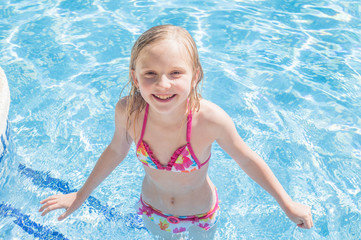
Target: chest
point(164, 141)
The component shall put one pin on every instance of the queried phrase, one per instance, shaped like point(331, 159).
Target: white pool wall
point(4, 101)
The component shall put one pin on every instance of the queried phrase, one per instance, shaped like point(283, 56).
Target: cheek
point(145, 84)
point(184, 86)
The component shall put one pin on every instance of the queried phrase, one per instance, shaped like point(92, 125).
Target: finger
point(306, 225)
point(49, 203)
point(43, 207)
point(309, 223)
point(48, 199)
point(64, 215)
point(50, 208)
point(301, 225)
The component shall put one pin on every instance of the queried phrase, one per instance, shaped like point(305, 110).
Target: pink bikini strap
point(150, 210)
point(189, 127)
point(144, 124)
point(189, 132)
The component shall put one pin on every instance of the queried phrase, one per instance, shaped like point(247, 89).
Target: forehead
point(168, 51)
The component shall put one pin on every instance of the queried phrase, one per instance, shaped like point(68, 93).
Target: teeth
point(164, 97)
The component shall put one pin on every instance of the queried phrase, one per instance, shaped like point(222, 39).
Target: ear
point(134, 78)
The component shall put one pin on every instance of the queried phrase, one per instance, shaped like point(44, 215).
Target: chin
point(168, 106)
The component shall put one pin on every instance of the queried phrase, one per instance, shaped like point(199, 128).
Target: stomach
point(180, 194)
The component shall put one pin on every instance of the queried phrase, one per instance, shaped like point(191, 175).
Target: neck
point(174, 118)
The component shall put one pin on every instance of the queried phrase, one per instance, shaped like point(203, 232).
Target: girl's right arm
point(112, 156)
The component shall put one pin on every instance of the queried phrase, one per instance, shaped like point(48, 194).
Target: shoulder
point(211, 112)
point(213, 117)
point(121, 105)
point(131, 121)
point(121, 112)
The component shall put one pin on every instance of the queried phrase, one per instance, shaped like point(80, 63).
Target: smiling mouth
point(164, 97)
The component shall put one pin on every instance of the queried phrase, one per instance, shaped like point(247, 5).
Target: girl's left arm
point(256, 168)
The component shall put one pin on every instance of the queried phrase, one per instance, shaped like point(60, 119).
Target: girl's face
point(164, 75)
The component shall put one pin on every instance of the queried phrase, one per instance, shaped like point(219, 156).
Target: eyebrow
point(146, 68)
point(178, 67)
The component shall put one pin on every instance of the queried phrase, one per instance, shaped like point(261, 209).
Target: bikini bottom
point(178, 224)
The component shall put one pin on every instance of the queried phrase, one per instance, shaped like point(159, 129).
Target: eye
point(176, 73)
point(150, 74)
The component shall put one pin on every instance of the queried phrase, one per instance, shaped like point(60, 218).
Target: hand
point(70, 202)
point(300, 214)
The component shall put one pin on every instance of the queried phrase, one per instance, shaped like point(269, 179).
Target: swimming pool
point(287, 72)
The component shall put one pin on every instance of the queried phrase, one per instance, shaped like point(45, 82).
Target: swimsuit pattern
point(184, 162)
point(179, 224)
point(183, 159)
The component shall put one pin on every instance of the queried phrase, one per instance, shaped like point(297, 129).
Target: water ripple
point(290, 73)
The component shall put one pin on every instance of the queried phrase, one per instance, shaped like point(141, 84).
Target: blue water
point(287, 72)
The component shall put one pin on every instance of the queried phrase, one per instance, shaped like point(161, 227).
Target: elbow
point(244, 162)
point(250, 160)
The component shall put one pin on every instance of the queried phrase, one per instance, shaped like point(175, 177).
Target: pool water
point(287, 72)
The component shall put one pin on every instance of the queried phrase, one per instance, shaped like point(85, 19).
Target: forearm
point(257, 169)
point(106, 163)
point(260, 172)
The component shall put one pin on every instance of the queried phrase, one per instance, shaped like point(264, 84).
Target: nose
point(164, 82)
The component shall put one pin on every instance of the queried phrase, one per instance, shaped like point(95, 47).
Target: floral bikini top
point(182, 160)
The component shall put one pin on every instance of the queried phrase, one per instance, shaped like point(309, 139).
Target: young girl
point(173, 129)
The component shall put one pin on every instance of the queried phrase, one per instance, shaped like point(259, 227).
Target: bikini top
point(182, 160)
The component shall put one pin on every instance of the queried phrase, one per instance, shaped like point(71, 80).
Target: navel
point(172, 200)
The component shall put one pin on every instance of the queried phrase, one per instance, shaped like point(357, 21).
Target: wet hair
point(135, 102)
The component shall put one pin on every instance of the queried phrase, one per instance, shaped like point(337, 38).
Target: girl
point(173, 129)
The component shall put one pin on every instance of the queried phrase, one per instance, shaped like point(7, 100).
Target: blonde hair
point(135, 102)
